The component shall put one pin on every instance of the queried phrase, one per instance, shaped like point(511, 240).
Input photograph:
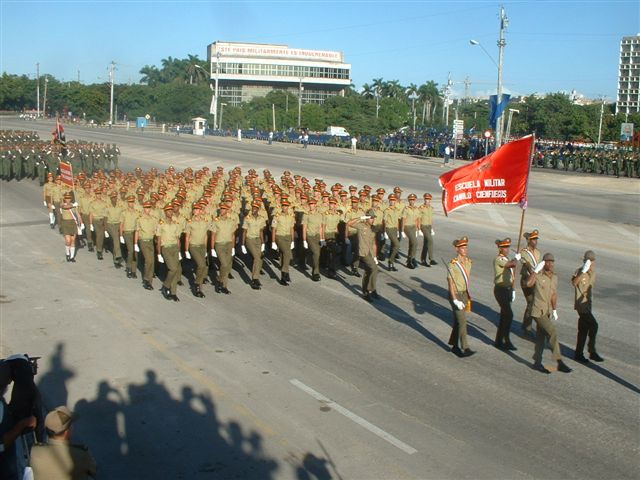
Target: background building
point(629, 76)
point(247, 70)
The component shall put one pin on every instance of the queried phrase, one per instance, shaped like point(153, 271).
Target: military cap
point(355, 200)
point(504, 243)
point(392, 197)
point(131, 198)
point(147, 204)
point(168, 207)
point(427, 196)
point(589, 255)
point(67, 196)
point(113, 194)
point(285, 203)
point(533, 235)
point(461, 242)
point(548, 257)
point(333, 200)
point(412, 196)
point(59, 420)
point(255, 204)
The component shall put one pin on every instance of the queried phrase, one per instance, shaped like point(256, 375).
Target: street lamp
point(300, 89)
point(504, 22)
point(222, 105)
point(214, 100)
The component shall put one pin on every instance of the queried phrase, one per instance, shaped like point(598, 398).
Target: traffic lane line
point(354, 418)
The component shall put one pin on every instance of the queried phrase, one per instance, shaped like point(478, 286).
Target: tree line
point(179, 90)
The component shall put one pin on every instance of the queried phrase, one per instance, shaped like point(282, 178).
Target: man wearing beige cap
point(583, 281)
point(59, 458)
point(367, 253)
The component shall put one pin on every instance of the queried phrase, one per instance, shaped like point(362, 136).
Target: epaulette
point(160, 222)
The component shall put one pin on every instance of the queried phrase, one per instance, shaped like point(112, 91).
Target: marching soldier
point(367, 253)
point(282, 233)
point(97, 220)
point(410, 221)
point(530, 258)
point(253, 240)
point(392, 221)
point(223, 239)
point(70, 225)
point(168, 234)
point(331, 221)
point(47, 196)
point(459, 271)
point(195, 247)
point(312, 232)
point(113, 228)
point(128, 219)
point(583, 281)
point(504, 293)
point(351, 235)
point(146, 226)
point(545, 297)
point(426, 231)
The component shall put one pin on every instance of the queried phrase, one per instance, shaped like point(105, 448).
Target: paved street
point(310, 381)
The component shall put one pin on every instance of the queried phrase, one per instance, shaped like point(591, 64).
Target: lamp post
point(44, 103)
point(215, 93)
point(504, 22)
point(600, 126)
point(222, 105)
point(38, 89)
point(300, 89)
point(377, 101)
point(413, 107)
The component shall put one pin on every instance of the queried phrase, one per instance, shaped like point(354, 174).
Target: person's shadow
point(53, 383)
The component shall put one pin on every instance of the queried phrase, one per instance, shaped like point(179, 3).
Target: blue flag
point(497, 110)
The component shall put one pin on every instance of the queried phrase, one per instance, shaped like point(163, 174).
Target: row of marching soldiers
point(210, 216)
point(23, 155)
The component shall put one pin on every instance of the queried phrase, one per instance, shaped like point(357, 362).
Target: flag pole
point(524, 205)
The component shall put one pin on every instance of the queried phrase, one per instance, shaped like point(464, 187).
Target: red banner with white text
point(499, 178)
point(66, 173)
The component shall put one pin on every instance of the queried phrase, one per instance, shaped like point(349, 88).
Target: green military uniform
point(313, 222)
point(128, 219)
point(426, 227)
point(543, 291)
point(254, 227)
point(197, 232)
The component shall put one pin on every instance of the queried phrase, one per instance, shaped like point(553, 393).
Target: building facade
point(248, 70)
point(629, 76)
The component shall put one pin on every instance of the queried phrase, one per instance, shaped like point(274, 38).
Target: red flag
point(501, 177)
point(66, 172)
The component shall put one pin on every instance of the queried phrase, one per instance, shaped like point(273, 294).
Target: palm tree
point(411, 91)
point(150, 75)
point(368, 91)
point(429, 97)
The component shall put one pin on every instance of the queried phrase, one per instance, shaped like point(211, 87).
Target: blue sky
point(551, 45)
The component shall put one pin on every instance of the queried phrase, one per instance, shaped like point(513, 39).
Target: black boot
point(147, 285)
point(165, 292)
point(99, 255)
point(355, 272)
point(128, 273)
point(197, 292)
point(68, 258)
point(283, 279)
point(255, 284)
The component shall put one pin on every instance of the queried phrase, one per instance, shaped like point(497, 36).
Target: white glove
point(517, 256)
point(347, 241)
point(82, 227)
point(136, 248)
point(106, 234)
point(539, 267)
point(79, 230)
point(459, 305)
point(160, 259)
point(75, 204)
point(554, 315)
point(586, 266)
point(187, 255)
point(365, 217)
point(262, 247)
point(403, 235)
point(419, 232)
point(44, 202)
point(122, 239)
point(244, 249)
point(233, 251)
point(274, 246)
point(53, 207)
point(323, 242)
point(513, 295)
point(386, 236)
point(305, 244)
point(213, 253)
point(179, 256)
point(293, 244)
point(433, 232)
point(375, 259)
point(91, 228)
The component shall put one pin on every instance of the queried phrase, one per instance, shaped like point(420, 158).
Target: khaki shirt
point(168, 233)
point(146, 226)
point(456, 274)
point(502, 277)
point(410, 215)
point(61, 460)
point(283, 222)
point(113, 213)
point(313, 221)
point(128, 219)
point(224, 228)
point(67, 215)
point(583, 290)
point(98, 208)
point(350, 215)
point(197, 229)
point(331, 222)
point(543, 291)
point(426, 215)
point(392, 216)
point(254, 225)
point(527, 260)
point(366, 238)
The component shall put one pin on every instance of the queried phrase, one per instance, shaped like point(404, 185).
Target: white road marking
point(355, 418)
point(561, 227)
point(625, 232)
point(496, 217)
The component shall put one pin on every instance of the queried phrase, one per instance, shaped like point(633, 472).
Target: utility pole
point(273, 116)
point(300, 89)
point(78, 75)
point(600, 126)
point(111, 75)
point(447, 95)
point(504, 23)
point(38, 89)
point(44, 103)
point(467, 87)
point(377, 102)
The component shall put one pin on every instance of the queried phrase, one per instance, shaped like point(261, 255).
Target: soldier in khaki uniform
point(282, 227)
point(312, 232)
point(351, 235)
point(378, 224)
point(223, 238)
point(47, 197)
point(426, 231)
point(97, 219)
point(195, 247)
point(146, 225)
point(253, 240)
point(583, 281)
point(70, 225)
point(168, 234)
point(410, 222)
point(392, 220)
point(113, 228)
point(504, 293)
point(367, 253)
point(331, 221)
point(530, 258)
point(545, 298)
point(128, 219)
point(458, 278)
point(60, 459)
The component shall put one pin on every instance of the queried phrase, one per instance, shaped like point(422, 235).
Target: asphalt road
point(310, 381)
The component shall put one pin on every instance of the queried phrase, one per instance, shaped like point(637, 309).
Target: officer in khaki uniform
point(113, 228)
point(351, 235)
point(378, 225)
point(282, 227)
point(392, 220)
point(458, 278)
point(58, 458)
point(331, 222)
point(223, 238)
point(145, 230)
point(504, 293)
point(168, 234)
point(312, 232)
point(97, 219)
point(583, 281)
point(530, 258)
point(426, 231)
point(195, 247)
point(543, 311)
point(367, 253)
point(253, 240)
point(410, 221)
point(128, 218)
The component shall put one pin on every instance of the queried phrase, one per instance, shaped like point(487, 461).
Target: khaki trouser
point(546, 328)
point(370, 276)
point(174, 269)
point(254, 247)
point(149, 255)
point(284, 245)
point(353, 239)
point(88, 234)
point(223, 250)
point(527, 292)
point(131, 254)
point(114, 233)
point(314, 248)
point(410, 232)
point(427, 243)
point(394, 243)
point(199, 256)
point(99, 226)
point(458, 335)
